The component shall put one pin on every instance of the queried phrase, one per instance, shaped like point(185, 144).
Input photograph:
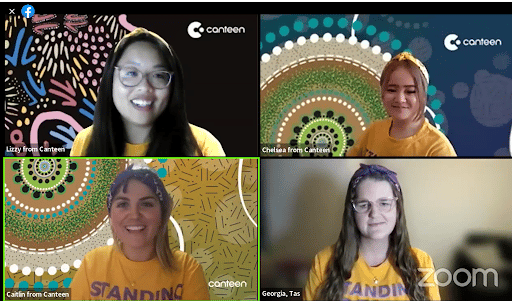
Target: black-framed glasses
point(384, 205)
point(131, 76)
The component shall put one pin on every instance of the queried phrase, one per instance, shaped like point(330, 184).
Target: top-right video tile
point(385, 85)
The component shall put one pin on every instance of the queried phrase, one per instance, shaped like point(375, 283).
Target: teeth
point(141, 103)
point(135, 228)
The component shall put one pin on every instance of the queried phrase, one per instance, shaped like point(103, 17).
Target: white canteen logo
point(452, 42)
point(448, 42)
point(192, 30)
point(196, 30)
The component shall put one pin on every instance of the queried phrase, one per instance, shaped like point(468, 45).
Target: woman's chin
point(402, 118)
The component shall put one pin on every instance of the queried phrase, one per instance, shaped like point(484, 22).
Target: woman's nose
point(145, 84)
point(401, 96)
point(134, 211)
point(373, 211)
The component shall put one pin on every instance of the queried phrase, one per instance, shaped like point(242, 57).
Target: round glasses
point(131, 76)
point(384, 205)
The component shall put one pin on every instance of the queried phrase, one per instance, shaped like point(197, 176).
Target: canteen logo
point(196, 30)
point(193, 30)
point(448, 42)
point(27, 11)
point(452, 42)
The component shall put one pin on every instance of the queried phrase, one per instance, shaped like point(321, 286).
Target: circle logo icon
point(194, 30)
point(448, 42)
point(27, 11)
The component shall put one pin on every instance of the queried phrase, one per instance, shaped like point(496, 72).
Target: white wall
point(444, 200)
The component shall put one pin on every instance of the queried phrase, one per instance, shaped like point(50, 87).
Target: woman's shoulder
point(196, 130)
point(325, 254)
point(185, 260)
point(379, 124)
point(201, 134)
point(380, 127)
point(100, 254)
point(85, 132)
point(433, 131)
point(378, 131)
point(423, 259)
point(438, 141)
point(81, 142)
point(208, 144)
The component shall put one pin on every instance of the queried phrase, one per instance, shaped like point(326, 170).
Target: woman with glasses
point(373, 258)
point(141, 107)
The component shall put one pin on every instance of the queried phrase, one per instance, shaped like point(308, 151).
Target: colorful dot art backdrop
point(55, 212)
point(320, 75)
point(53, 66)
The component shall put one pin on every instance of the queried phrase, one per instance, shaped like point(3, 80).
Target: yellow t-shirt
point(209, 145)
point(427, 142)
point(361, 285)
point(105, 273)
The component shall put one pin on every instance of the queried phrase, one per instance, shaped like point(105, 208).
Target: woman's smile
point(136, 216)
point(135, 229)
point(141, 104)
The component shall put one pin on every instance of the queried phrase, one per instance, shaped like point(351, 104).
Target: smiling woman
point(135, 218)
point(140, 264)
point(141, 105)
point(404, 83)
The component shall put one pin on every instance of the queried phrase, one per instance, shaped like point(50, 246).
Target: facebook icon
point(27, 11)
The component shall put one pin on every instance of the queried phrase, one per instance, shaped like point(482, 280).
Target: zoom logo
point(452, 42)
point(196, 30)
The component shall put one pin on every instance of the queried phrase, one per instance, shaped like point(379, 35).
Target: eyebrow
point(133, 63)
point(123, 198)
point(395, 85)
point(138, 64)
point(379, 199)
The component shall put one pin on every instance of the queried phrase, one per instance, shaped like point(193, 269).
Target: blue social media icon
point(27, 11)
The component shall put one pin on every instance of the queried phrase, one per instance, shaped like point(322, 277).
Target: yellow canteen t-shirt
point(209, 145)
point(376, 142)
point(106, 274)
point(362, 286)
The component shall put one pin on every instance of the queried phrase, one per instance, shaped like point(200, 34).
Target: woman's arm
point(195, 284)
point(79, 287)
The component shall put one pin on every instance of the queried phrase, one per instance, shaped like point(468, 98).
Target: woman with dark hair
point(404, 83)
point(139, 265)
point(141, 107)
point(373, 258)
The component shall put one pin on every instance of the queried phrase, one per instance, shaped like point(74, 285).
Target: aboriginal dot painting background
point(320, 74)
point(55, 213)
point(54, 64)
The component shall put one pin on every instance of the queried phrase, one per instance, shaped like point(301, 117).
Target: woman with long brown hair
point(373, 258)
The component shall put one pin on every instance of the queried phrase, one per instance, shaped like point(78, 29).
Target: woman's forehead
point(374, 188)
point(401, 76)
point(142, 54)
point(134, 187)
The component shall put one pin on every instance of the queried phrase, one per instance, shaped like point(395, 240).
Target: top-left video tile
point(116, 85)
